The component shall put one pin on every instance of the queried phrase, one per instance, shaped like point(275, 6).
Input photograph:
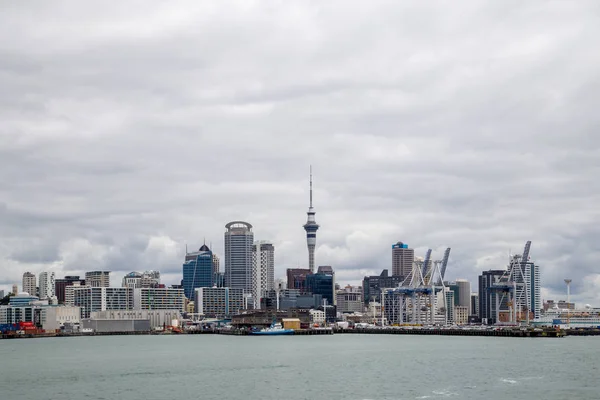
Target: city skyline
point(477, 133)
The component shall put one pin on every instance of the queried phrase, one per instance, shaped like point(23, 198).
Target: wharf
point(245, 332)
point(458, 332)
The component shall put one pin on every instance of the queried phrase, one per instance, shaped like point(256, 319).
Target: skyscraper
point(216, 264)
point(46, 282)
point(198, 271)
point(239, 240)
point(487, 297)
point(29, 285)
point(263, 270)
point(402, 259)
point(311, 228)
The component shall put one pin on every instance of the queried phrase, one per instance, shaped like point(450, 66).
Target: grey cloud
point(128, 131)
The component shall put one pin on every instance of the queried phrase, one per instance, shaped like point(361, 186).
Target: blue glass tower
point(198, 271)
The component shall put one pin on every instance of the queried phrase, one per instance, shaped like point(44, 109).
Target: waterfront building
point(97, 278)
point(475, 304)
point(463, 296)
point(311, 227)
point(402, 259)
point(461, 315)
point(156, 318)
point(158, 299)
point(487, 297)
point(22, 299)
point(49, 318)
point(296, 278)
point(61, 284)
point(322, 283)
point(91, 299)
point(219, 302)
point(350, 300)
point(239, 240)
point(532, 279)
point(263, 270)
point(317, 316)
point(450, 305)
point(198, 270)
point(29, 284)
point(372, 285)
point(47, 281)
point(293, 299)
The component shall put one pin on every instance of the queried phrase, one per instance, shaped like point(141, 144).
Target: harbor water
point(347, 367)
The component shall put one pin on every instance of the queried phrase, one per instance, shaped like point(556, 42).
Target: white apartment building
point(92, 299)
point(218, 302)
point(46, 285)
point(158, 299)
point(263, 270)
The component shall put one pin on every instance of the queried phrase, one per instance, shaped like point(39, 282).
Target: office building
point(372, 285)
point(198, 270)
point(402, 259)
point(61, 284)
point(311, 228)
point(158, 299)
point(322, 283)
point(29, 284)
point(461, 315)
point(532, 278)
point(239, 240)
point(475, 304)
point(47, 281)
point(216, 264)
point(263, 270)
point(97, 278)
point(220, 302)
point(15, 289)
point(296, 278)
point(487, 297)
point(350, 300)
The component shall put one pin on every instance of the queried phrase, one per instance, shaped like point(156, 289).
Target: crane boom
point(445, 262)
point(525, 257)
point(425, 263)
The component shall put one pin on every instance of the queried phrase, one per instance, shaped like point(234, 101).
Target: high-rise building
point(532, 279)
point(464, 293)
point(15, 290)
point(97, 278)
point(60, 286)
point(263, 270)
point(372, 285)
point(146, 279)
point(296, 278)
point(218, 302)
point(1, 294)
point(239, 240)
point(47, 280)
point(322, 283)
point(198, 270)
point(487, 296)
point(29, 285)
point(474, 304)
point(311, 228)
point(216, 264)
point(402, 259)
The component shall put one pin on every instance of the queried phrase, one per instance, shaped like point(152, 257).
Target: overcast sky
point(130, 129)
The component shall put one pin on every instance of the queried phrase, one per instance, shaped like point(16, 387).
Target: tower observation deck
point(311, 228)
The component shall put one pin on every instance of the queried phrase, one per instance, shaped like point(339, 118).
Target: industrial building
point(130, 320)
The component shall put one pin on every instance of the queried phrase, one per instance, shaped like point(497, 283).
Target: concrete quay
point(457, 332)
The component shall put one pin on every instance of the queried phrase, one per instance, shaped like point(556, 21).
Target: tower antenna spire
point(311, 186)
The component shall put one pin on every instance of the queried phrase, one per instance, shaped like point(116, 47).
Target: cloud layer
point(130, 130)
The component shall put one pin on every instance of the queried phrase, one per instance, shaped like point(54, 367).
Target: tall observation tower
point(311, 228)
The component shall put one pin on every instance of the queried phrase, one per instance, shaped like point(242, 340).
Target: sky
point(129, 130)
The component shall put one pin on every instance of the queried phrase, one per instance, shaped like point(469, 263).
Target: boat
point(274, 329)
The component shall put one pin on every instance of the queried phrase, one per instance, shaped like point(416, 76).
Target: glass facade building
point(239, 241)
point(322, 284)
point(198, 271)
